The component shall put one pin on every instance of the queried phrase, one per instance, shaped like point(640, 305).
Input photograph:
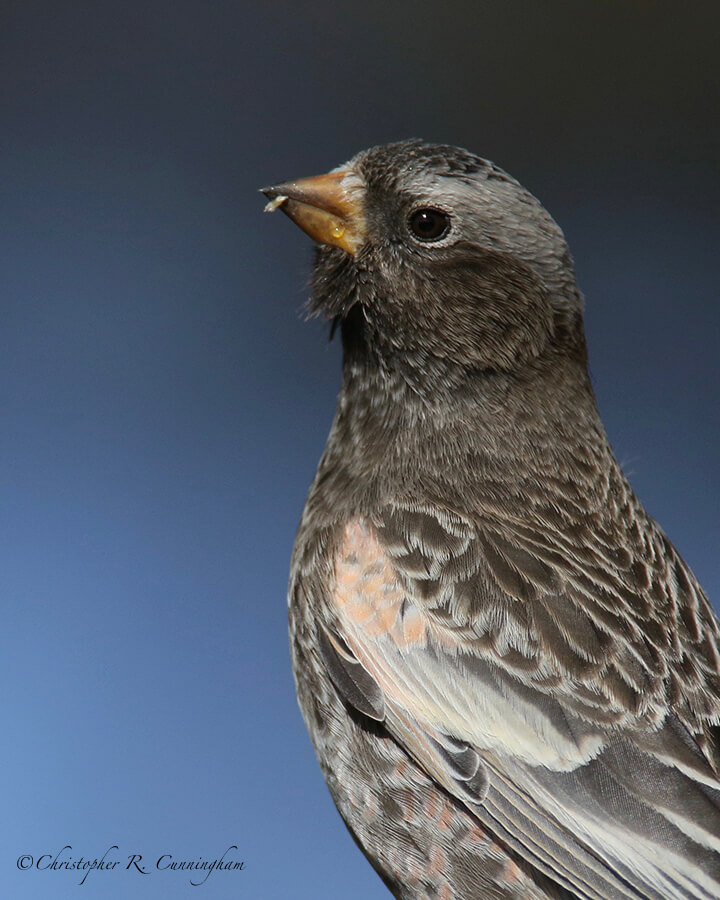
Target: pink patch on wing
point(368, 592)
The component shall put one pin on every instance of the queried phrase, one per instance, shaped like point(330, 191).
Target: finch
point(509, 675)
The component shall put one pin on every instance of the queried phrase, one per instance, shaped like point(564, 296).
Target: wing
point(564, 690)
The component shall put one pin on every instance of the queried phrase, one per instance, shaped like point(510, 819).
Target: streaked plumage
point(510, 676)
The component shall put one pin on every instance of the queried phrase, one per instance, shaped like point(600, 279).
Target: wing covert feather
point(525, 679)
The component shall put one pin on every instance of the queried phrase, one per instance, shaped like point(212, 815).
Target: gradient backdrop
point(163, 405)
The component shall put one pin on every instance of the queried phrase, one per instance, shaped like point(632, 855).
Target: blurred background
point(164, 406)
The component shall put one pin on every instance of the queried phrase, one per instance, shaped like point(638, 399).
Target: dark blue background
point(163, 406)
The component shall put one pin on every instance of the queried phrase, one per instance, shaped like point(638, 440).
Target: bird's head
point(432, 258)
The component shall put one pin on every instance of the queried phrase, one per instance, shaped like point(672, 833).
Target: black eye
point(429, 224)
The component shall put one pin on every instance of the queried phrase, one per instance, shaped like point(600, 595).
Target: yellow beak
point(323, 207)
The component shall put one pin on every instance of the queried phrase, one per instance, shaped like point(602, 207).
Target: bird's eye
point(429, 224)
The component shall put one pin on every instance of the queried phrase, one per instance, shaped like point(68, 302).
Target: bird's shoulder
point(591, 606)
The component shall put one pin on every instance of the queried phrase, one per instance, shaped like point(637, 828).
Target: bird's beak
point(327, 207)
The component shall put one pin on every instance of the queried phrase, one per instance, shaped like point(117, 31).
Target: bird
point(510, 677)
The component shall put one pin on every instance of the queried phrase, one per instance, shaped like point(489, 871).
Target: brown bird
point(510, 676)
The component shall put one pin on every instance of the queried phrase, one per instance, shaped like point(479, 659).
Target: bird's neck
point(537, 424)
